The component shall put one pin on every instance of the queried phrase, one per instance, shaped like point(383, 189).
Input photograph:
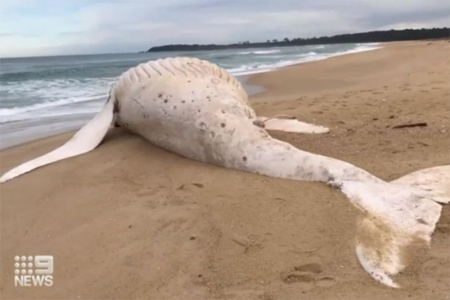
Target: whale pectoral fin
point(85, 140)
point(398, 222)
point(290, 124)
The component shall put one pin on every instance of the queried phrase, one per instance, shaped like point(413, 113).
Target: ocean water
point(39, 90)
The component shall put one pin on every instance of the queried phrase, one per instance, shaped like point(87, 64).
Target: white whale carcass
point(196, 109)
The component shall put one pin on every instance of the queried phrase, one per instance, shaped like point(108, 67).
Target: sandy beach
point(132, 221)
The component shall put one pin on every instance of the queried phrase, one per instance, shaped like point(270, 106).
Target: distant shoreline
point(22, 125)
point(364, 37)
point(16, 133)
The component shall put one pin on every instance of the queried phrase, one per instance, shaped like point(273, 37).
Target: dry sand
point(131, 221)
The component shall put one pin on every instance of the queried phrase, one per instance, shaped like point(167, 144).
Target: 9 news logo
point(33, 270)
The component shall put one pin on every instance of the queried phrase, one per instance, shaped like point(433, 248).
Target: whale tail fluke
point(434, 180)
point(85, 140)
point(399, 219)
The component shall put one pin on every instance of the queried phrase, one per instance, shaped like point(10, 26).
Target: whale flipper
point(290, 124)
point(85, 140)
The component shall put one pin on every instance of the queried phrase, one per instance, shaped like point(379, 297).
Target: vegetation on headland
point(364, 37)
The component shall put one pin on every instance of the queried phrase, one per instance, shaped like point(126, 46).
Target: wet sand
point(132, 221)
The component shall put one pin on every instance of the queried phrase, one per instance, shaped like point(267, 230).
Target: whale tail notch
point(85, 140)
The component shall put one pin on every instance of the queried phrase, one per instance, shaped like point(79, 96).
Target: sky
point(62, 27)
